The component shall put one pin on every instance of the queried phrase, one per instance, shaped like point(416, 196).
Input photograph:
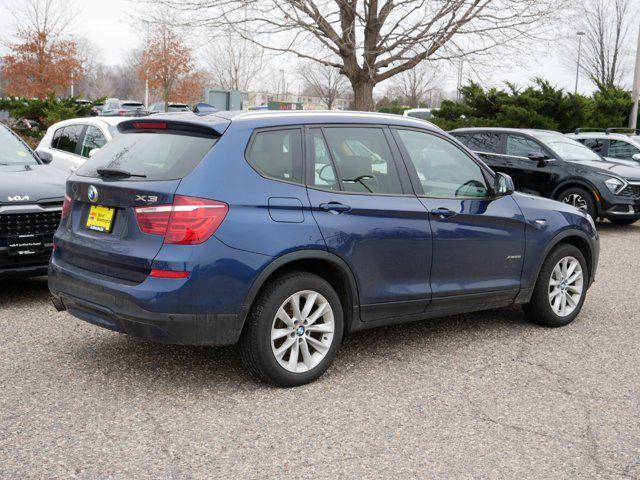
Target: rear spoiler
point(212, 126)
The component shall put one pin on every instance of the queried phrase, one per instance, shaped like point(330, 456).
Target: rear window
point(156, 155)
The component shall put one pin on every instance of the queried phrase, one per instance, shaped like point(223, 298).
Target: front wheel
point(561, 288)
point(293, 331)
point(623, 221)
point(581, 199)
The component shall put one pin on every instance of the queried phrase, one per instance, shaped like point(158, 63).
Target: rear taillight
point(168, 274)
point(66, 207)
point(189, 221)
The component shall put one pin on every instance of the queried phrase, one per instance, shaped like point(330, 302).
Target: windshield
point(131, 106)
point(13, 151)
point(150, 156)
point(566, 148)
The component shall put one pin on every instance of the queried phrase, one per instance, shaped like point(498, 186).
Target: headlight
point(615, 185)
point(592, 222)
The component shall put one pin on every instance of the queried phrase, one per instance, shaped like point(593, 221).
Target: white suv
point(611, 145)
point(72, 142)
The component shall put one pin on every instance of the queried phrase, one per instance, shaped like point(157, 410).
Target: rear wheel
point(623, 221)
point(581, 199)
point(293, 331)
point(560, 289)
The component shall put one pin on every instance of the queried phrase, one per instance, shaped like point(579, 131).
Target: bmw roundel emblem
point(92, 194)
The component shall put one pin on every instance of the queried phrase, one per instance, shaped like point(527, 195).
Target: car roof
point(616, 136)
point(219, 121)
point(530, 131)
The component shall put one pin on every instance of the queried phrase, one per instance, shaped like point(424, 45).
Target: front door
point(369, 217)
point(478, 239)
point(529, 175)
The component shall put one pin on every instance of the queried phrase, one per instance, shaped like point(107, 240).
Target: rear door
point(103, 234)
point(487, 145)
point(369, 216)
point(478, 239)
point(65, 147)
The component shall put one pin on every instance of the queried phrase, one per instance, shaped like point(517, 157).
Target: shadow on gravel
point(130, 361)
point(18, 291)
point(610, 227)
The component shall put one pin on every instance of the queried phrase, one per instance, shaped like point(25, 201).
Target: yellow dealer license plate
point(100, 218)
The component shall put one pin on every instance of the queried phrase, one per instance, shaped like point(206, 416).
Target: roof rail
point(635, 131)
point(588, 129)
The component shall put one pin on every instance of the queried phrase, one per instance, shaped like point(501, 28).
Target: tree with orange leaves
point(167, 63)
point(42, 60)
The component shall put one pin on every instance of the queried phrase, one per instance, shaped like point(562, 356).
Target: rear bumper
point(114, 310)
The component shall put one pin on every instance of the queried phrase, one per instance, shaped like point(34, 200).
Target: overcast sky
point(106, 24)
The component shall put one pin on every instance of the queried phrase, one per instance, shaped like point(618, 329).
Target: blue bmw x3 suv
point(282, 232)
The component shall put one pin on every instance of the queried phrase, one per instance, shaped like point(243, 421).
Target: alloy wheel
point(566, 286)
point(577, 201)
point(302, 331)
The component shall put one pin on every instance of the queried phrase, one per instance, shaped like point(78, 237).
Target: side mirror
point(503, 185)
point(92, 152)
point(636, 157)
point(45, 157)
point(541, 158)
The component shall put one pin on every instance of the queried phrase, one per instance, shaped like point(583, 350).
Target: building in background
point(262, 100)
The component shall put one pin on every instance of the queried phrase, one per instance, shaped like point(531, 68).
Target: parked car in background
point(96, 109)
point(31, 197)
point(552, 165)
point(421, 113)
point(610, 144)
point(123, 108)
point(158, 107)
point(283, 231)
point(71, 142)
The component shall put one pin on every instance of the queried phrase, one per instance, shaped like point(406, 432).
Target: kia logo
point(18, 198)
point(92, 194)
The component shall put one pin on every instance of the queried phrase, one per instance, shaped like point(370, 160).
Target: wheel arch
point(319, 262)
point(578, 183)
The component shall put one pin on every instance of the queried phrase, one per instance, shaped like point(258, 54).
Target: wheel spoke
point(310, 301)
point(306, 354)
point(277, 333)
point(572, 279)
point(318, 345)
point(321, 328)
point(572, 268)
point(284, 316)
point(293, 356)
point(570, 301)
point(295, 305)
point(574, 289)
point(282, 349)
point(318, 313)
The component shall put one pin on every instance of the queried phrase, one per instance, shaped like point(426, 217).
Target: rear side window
point(163, 155)
point(518, 146)
point(363, 160)
point(93, 138)
point(277, 154)
point(485, 142)
point(67, 138)
point(594, 144)
point(622, 150)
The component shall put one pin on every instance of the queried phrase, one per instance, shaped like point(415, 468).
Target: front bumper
point(111, 309)
point(27, 266)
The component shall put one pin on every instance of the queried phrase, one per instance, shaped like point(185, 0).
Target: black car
point(552, 165)
point(31, 200)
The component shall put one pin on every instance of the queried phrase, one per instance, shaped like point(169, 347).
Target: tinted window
point(443, 169)
point(324, 174)
point(13, 151)
point(363, 160)
point(482, 142)
point(93, 138)
point(68, 138)
point(518, 146)
point(158, 156)
point(595, 144)
point(277, 154)
point(621, 149)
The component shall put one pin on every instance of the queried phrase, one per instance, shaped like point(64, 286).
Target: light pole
point(633, 121)
point(580, 35)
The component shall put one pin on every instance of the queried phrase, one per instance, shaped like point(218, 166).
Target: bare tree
point(234, 63)
point(370, 41)
point(605, 24)
point(324, 82)
point(416, 84)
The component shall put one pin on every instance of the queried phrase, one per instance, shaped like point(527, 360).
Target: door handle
point(334, 207)
point(442, 212)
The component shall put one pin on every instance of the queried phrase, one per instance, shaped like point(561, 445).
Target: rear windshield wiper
point(114, 172)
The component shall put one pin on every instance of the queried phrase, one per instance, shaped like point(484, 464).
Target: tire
point(623, 221)
point(581, 199)
point(271, 361)
point(540, 309)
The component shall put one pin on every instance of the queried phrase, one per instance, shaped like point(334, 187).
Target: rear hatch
point(140, 168)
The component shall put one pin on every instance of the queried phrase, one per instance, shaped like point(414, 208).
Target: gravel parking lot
point(484, 395)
